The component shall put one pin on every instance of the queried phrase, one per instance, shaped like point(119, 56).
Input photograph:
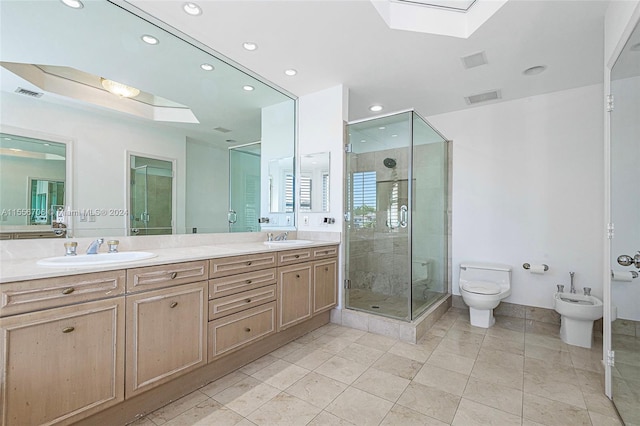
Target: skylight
point(457, 5)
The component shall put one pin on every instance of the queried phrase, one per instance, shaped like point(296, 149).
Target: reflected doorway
point(151, 196)
point(244, 188)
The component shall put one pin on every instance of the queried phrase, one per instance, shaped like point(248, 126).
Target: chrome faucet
point(281, 237)
point(573, 287)
point(95, 246)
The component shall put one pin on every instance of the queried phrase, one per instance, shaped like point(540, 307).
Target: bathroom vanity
point(102, 347)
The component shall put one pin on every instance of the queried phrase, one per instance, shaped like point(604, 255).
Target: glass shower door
point(151, 207)
point(244, 188)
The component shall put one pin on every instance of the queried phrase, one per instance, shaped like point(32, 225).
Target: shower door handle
point(232, 217)
point(404, 217)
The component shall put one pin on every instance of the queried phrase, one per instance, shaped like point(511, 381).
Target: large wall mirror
point(114, 80)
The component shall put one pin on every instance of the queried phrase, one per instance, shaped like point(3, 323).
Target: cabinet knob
point(248, 263)
point(68, 290)
point(248, 300)
point(247, 329)
point(326, 269)
point(173, 304)
point(297, 275)
point(174, 275)
point(68, 329)
point(248, 281)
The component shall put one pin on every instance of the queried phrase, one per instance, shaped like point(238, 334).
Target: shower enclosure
point(396, 203)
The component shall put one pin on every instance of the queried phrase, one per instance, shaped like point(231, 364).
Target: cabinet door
point(325, 288)
point(166, 335)
point(294, 294)
point(64, 364)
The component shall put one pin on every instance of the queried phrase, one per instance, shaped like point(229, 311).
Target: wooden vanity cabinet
point(63, 364)
point(325, 288)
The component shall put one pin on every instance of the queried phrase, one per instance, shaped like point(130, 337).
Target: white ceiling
point(347, 42)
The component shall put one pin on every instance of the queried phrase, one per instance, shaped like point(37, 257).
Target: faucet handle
point(70, 248)
point(113, 246)
point(560, 288)
point(587, 291)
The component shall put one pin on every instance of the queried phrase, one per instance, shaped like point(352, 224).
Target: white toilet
point(483, 286)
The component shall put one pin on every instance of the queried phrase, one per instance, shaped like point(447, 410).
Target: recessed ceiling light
point(119, 89)
point(192, 9)
point(363, 140)
point(381, 128)
point(149, 39)
point(290, 72)
point(15, 149)
point(394, 136)
point(375, 108)
point(248, 88)
point(207, 67)
point(76, 4)
point(47, 144)
point(535, 70)
point(249, 45)
point(230, 141)
point(636, 47)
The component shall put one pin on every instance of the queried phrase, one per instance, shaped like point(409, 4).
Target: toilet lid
point(481, 287)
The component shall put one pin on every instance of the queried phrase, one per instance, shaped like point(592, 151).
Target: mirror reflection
point(314, 182)
point(115, 94)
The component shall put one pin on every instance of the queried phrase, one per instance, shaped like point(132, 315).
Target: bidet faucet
point(281, 237)
point(95, 246)
point(573, 287)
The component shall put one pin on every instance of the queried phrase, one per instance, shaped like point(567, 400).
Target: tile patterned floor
point(515, 373)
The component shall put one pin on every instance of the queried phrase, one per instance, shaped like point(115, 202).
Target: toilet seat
point(481, 287)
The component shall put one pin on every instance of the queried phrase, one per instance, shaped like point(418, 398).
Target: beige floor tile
point(397, 365)
point(507, 360)
point(567, 392)
point(527, 422)
point(590, 381)
point(222, 383)
point(379, 383)
point(447, 360)
point(328, 419)
point(359, 407)
point(364, 355)
point(206, 413)
point(144, 421)
point(446, 380)
point(287, 349)
point(594, 365)
point(331, 344)
point(546, 341)
point(503, 344)
point(464, 336)
point(376, 341)
point(341, 369)
point(177, 407)
point(429, 341)
point(430, 401)
point(403, 416)
point(245, 422)
point(494, 373)
point(460, 346)
point(509, 323)
point(598, 419)
point(554, 356)
point(553, 413)
point(464, 325)
point(473, 413)
point(317, 389)
point(501, 397)
point(420, 353)
point(308, 357)
point(505, 333)
point(346, 333)
point(280, 374)
point(284, 410)
point(246, 396)
point(599, 403)
point(258, 364)
point(542, 328)
point(551, 372)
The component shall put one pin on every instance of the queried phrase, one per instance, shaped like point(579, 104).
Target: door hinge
point(348, 148)
point(609, 103)
point(610, 229)
point(347, 284)
point(611, 358)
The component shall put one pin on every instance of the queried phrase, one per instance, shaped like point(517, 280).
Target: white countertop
point(27, 269)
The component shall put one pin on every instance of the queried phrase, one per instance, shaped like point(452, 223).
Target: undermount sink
point(287, 242)
point(95, 259)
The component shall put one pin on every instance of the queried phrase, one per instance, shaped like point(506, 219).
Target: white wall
point(527, 187)
point(99, 160)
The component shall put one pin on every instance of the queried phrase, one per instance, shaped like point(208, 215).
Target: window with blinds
point(305, 193)
point(288, 193)
point(325, 192)
point(364, 199)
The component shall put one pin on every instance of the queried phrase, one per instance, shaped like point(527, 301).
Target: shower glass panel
point(244, 188)
point(396, 216)
point(151, 196)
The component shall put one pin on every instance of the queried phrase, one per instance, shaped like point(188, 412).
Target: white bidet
point(577, 313)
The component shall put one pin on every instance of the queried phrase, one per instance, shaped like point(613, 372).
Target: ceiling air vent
point(26, 92)
point(221, 130)
point(483, 97)
point(474, 60)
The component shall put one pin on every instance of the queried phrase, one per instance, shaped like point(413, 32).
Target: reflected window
point(364, 199)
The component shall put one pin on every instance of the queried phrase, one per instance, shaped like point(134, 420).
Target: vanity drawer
point(294, 256)
point(238, 264)
point(324, 252)
point(234, 331)
point(28, 296)
point(241, 301)
point(220, 287)
point(151, 277)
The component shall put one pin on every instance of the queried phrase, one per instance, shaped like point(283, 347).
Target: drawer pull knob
point(248, 263)
point(247, 329)
point(68, 329)
point(173, 304)
point(297, 256)
point(248, 300)
point(248, 281)
point(297, 275)
point(174, 275)
point(68, 290)
point(326, 268)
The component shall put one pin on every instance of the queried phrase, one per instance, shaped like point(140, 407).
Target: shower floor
point(389, 306)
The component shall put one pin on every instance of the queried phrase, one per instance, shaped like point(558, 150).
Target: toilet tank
point(491, 272)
